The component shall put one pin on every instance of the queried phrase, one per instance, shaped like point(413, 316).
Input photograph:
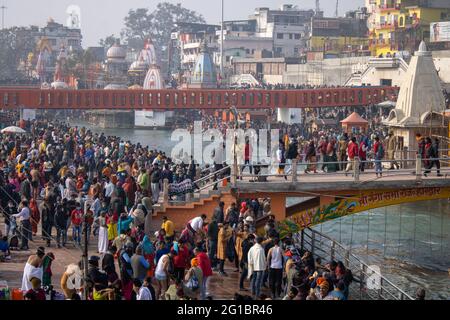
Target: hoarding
point(29, 114)
point(440, 31)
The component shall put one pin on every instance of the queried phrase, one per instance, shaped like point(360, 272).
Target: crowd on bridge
point(333, 152)
point(280, 86)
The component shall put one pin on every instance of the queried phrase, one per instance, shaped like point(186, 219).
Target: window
point(297, 36)
point(72, 42)
point(280, 36)
point(247, 51)
point(53, 42)
point(291, 36)
point(279, 49)
point(296, 50)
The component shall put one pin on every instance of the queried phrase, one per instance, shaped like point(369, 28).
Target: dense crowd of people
point(69, 179)
point(71, 182)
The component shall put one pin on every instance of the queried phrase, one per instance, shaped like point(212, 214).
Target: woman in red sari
point(35, 216)
point(130, 189)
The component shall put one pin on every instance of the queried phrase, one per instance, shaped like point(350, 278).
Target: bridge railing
point(369, 283)
point(356, 168)
point(212, 181)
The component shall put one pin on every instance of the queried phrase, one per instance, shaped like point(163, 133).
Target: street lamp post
point(3, 8)
point(221, 42)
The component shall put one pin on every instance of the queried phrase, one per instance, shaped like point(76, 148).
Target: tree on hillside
point(140, 24)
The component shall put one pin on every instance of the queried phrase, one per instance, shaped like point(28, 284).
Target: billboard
point(440, 31)
point(29, 114)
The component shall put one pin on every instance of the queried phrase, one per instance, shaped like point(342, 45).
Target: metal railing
point(363, 288)
point(417, 169)
point(199, 185)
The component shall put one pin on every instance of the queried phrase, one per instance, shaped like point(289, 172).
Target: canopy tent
point(13, 129)
point(354, 123)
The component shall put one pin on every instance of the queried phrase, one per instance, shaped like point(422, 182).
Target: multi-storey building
point(335, 36)
point(187, 39)
point(288, 27)
point(400, 25)
point(57, 35)
point(53, 37)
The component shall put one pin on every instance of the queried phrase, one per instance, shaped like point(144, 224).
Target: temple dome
point(116, 52)
point(204, 74)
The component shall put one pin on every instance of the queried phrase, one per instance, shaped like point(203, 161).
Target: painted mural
point(364, 201)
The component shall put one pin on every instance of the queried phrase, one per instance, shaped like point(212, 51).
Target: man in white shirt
point(142, 293)
point(196, 224)
point(275, 264)
point(24, 216)
point(109, 188)
point(256, 266)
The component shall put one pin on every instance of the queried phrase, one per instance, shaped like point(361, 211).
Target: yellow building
point(334, 36)
point(337, 45)
point(400, 25)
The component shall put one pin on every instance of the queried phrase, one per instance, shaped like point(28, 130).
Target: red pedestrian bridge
point(35, 98)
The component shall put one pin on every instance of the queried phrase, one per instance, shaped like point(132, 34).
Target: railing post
point(332, 249)
point(294, 170)
point(404, 163)
point(418, 167)
point(380, 291)
point(165, 191)
point(313, 242)
point(302, 242)
point(234, 174)
point(362, 283)
point(356, 169)
point(347, 258)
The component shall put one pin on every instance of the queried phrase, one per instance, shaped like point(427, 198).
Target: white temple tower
point(420, 103)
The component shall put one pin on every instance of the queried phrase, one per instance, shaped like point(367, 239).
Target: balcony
point(387, 26)
point(380, 42)
point(389, 7)
point(384, 63)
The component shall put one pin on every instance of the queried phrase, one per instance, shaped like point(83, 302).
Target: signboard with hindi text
point(363, 201)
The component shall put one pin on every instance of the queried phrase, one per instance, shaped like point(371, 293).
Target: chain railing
point(370, 284)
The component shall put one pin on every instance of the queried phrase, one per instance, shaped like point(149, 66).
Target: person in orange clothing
point(106, 172)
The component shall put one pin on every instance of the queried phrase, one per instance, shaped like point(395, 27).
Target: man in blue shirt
point(338, 292)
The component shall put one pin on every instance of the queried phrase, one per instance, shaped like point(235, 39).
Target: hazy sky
point(100, 18)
